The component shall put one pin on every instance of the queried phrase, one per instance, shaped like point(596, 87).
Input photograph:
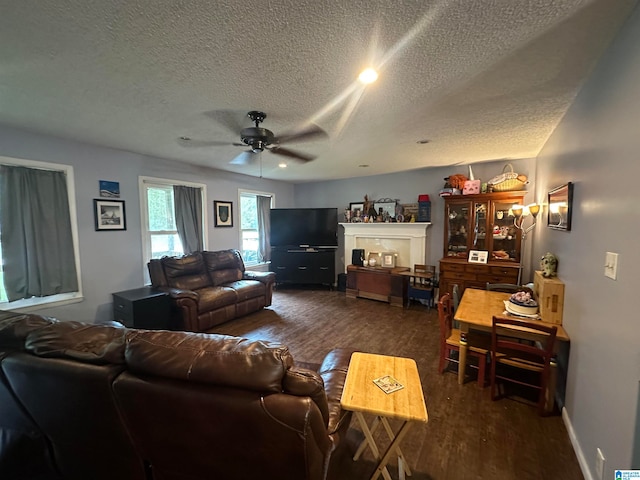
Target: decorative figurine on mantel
point(369, 209)
point(549, 265)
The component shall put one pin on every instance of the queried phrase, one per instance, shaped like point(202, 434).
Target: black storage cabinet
point(143, 307)
point(304, 266)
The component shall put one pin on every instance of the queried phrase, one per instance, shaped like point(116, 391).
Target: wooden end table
point(377, 283)
point(362, 396)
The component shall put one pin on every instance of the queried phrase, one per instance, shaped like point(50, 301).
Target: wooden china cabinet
point(480, 222)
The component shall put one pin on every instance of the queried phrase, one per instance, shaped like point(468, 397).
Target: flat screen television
point(306, 227)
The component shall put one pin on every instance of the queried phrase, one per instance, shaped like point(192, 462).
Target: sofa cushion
point(187, 272)
point(223, 259)
point(246, 289)
point(213, 298)
point(14, 327)
point(224, 277)
point(95, 344)
point(208, 358)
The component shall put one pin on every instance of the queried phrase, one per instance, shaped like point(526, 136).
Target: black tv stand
point(304, 265)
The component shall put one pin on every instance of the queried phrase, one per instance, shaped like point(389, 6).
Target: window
point(61, 298)
point(3, 292)
point(249, 231)
point(159, 233)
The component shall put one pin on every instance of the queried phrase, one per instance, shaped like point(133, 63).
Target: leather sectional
point(104, 402)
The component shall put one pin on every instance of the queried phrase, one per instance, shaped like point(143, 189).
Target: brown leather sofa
point(107, 402)
point(208, 288)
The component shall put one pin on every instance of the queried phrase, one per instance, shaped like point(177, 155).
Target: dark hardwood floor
point(468, 436)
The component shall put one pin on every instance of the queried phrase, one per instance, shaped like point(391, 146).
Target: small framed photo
point(388, 207)
point(223, 213)
point(388, 260)
point(354, 207)
point(109, 215)
point(109, 189)
point(478, 256)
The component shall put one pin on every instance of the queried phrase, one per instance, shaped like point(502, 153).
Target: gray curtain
point(37, 245)
point(188, 210)
point(264, 227)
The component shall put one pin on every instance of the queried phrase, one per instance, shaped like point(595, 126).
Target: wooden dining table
point(476, 311)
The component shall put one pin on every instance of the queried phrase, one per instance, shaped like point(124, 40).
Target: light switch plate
point(611, 265)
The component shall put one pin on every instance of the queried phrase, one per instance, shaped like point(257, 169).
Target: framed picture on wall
point(109, 215)
point(109, 189)
point(223, 213)
point(560, 200)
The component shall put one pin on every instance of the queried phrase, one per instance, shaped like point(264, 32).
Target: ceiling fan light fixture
point(367, 76)
point(257, 146)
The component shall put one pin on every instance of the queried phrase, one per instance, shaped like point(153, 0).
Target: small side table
point(144, 307)
point(361, 395)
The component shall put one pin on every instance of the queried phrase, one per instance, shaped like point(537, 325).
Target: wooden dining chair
point(478, 343)
point(523, 364)
point(422, 285)
point(508, 288)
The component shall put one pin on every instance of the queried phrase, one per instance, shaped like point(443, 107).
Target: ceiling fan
point(259, 139)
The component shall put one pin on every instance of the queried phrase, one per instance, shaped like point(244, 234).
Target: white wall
point(111, 261)
point(597, 146)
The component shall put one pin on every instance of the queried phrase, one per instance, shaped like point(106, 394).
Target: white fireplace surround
point(407, 240)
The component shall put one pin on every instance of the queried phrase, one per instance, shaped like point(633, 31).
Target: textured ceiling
point(482, 80)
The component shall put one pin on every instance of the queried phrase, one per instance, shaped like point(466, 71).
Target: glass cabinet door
point(480, 239)
point(504, 234)
point(458, 225)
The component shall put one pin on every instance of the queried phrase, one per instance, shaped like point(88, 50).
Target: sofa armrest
point(268, 279)
point(179, 293)
point(263, 277)
point(303, 382)
point(334, 373)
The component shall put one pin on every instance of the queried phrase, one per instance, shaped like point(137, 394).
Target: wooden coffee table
point(362, 396)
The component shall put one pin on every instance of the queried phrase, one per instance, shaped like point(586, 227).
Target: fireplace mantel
point(407, 240)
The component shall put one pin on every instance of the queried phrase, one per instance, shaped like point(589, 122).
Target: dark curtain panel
point(264, 227)
point(37, 245)
point(188, 210)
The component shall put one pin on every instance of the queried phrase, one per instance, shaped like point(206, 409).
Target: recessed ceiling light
point(423, 141)
point(368, 75)
point(185, 139)
point(282, 165)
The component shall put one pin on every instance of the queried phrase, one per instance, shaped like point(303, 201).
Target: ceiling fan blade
point(301, 157)
point(311, 132)
point(202, 143)
point(232, 120)
point(244, 158)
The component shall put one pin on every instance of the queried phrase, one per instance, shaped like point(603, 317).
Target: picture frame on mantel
point(560, 202)
point(223, 213)
point(354, 207)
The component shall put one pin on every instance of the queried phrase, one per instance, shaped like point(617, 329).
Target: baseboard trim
point(584, 465)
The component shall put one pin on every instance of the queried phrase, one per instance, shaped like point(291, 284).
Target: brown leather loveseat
point(208, 288)
point(105, 402)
